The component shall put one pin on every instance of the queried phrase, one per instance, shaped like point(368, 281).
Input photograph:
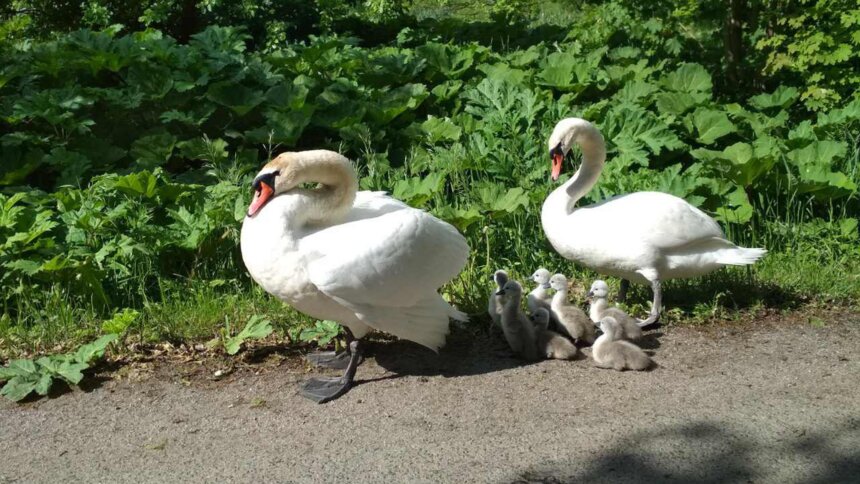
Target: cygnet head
point(540, 318)
point(599, 290)
point(541, 276)
point(558, 282)
point(610, 326)
point(510, 289)
point(501, 277)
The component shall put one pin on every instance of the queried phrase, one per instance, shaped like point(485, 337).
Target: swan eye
point(267, 178)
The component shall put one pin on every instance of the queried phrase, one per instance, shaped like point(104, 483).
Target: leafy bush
point(126, 158)
point(23, 377)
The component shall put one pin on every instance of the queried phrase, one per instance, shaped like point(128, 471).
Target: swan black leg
point(326, 389)
point(622, 291)
point(655, 305)
point(330, 359)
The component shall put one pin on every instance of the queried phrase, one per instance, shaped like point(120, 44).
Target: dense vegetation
point(126, 151)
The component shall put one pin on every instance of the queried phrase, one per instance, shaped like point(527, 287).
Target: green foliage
point(23, 377)
point(322, 332)
point(818, 43)
point(127, 154)
point(256, 328)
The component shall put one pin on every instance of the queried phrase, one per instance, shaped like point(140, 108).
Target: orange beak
point(261, 196)
point(557, 163)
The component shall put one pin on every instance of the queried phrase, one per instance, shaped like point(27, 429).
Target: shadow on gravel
point(713, 454)
point(467, 352)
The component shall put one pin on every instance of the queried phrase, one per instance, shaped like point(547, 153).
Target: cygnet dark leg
point(325, 389)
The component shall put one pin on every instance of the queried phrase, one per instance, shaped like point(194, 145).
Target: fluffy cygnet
point(610, 351)
point(571, 319)
point(600, 309)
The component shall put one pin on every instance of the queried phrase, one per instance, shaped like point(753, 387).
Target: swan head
point(558, 282)
point(541, 276)
point(276, 177)
point(599, 290)
point(511, 289)
point(291, 169)
point(567, 132)
point(610, 326)
point(501, 277)
point(540, 318)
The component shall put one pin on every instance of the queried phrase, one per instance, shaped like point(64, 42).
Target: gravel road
point(769, 401)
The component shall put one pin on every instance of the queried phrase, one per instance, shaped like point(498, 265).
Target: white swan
point(362, 259)
point(644, 237)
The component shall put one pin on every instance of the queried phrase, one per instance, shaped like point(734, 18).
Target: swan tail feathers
point(740, 256)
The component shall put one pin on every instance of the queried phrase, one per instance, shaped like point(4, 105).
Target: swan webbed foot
point(326, 389)
point(329, 359)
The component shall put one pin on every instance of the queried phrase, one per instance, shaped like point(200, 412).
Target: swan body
point(362, 259)
point(494, 306)
point(518, 329)
point(571, 319)
point(610, 351)
point(600, 308)
point(549, 343)
point(644, 237)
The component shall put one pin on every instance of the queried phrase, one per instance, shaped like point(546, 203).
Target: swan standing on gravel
point(643, 237)
point(494, 307)
point(610, 351)
point(599, 308)
point(571, 319)
point(362, 259)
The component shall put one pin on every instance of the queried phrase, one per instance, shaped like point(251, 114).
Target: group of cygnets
point(532, 338)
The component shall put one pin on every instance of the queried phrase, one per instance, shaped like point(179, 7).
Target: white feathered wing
point(385, 262)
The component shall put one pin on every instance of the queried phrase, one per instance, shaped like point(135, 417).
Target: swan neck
point(559, 298)
point(562, 201)
point(595, 311)
point(330, 202)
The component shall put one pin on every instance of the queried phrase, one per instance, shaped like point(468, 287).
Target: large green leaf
point(814, 164)
point(678, 103)
point(142, 184)
point(18, 388)
point(92, 351)
point(256, 328)
point(153, 151)
point(237, 97)
point(688, 78)
point(782, 97)
point(440, 129)
point(711, 125)
point(391, 104)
